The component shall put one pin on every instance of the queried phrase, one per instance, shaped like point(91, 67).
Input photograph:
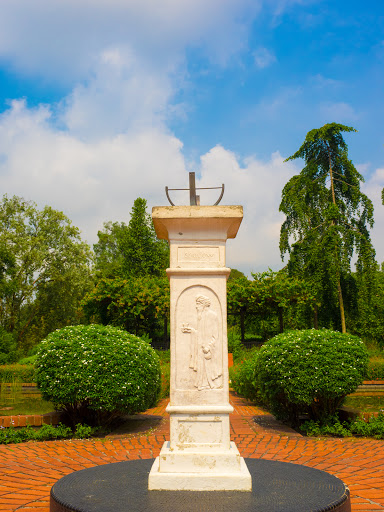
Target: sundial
point(193, 197)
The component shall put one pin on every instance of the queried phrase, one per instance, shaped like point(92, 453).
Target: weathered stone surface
point(199, 455)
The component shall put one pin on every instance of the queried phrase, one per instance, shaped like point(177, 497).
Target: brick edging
point(35, 420)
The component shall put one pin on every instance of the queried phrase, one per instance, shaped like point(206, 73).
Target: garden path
point(28, 470)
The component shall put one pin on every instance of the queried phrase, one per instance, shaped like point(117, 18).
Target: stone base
point(199, 471)
point(123, 487)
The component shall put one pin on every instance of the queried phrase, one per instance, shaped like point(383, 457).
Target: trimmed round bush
point(309, 371)
point(95, 373)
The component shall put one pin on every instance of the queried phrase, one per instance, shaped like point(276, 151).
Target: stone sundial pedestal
point(199, 455)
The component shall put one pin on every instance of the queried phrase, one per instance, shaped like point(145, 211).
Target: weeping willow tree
point(327, 217)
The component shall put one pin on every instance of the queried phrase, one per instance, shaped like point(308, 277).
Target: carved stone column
point(199, 455)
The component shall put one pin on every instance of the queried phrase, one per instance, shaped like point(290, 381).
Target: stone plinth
point(199, 455)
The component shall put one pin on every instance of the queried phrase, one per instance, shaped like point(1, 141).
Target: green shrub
point(359, 428)
point(375, 370)
point(17, 373)
point(373, 428)
point(44, 433)
point(165, 356)
point(95, 373)
point(310, 372)
point(28, 360)
point(165, 380)
point(235, 345)
point(8, 347)
point(243, 376)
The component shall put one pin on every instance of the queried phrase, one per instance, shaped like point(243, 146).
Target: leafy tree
point(133, 250)
point(269, 294)
point(39, 249)
point(367, 318)
point(138, 304)
point(277, 292)
point(327, 216)
point(235, 274)
point(240, 300)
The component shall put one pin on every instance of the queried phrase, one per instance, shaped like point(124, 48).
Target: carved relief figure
point(204, 349)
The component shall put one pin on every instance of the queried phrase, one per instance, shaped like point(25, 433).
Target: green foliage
point(236, 274)
point(165, 379)
point(131, 251)
point(28, 360)
point(235, 346)
point(43, 433)
point(17, 373)
point(359, 428)
point(309, 372)
point(332, 427)
point(243, 376)
point(137, 305)
point(95, 373)
point(44, 269)
point(366, 318)
point(8, 347)
point(327, 216)
point(375, 370)
point(272, 298)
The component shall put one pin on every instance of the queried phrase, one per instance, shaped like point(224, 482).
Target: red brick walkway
point(29, 470)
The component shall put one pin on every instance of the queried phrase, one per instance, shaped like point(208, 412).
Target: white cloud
point(59, 40)
point(257, 186)
point(263, 57)
point(91, 182)
point(123, 96)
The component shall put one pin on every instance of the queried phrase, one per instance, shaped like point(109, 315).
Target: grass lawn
point(372, 403)
point(25, 406)
point(13, 401)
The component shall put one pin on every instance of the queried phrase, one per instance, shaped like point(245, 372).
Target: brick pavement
point(28, 470)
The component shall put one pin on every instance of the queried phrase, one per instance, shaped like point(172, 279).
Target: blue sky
point(103, 101)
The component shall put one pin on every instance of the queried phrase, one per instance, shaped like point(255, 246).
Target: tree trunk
point(316, 317)
point(339, 292)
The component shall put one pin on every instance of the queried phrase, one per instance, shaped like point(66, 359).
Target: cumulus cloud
point(123, 95)
point(257, 186)
point(91, 182)
point(60, 40)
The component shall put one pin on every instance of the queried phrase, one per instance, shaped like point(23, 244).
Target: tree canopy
point(131, 250)
point(327, 216)
point(42, 257)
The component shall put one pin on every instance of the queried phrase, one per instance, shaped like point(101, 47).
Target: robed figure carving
point(204, 349)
